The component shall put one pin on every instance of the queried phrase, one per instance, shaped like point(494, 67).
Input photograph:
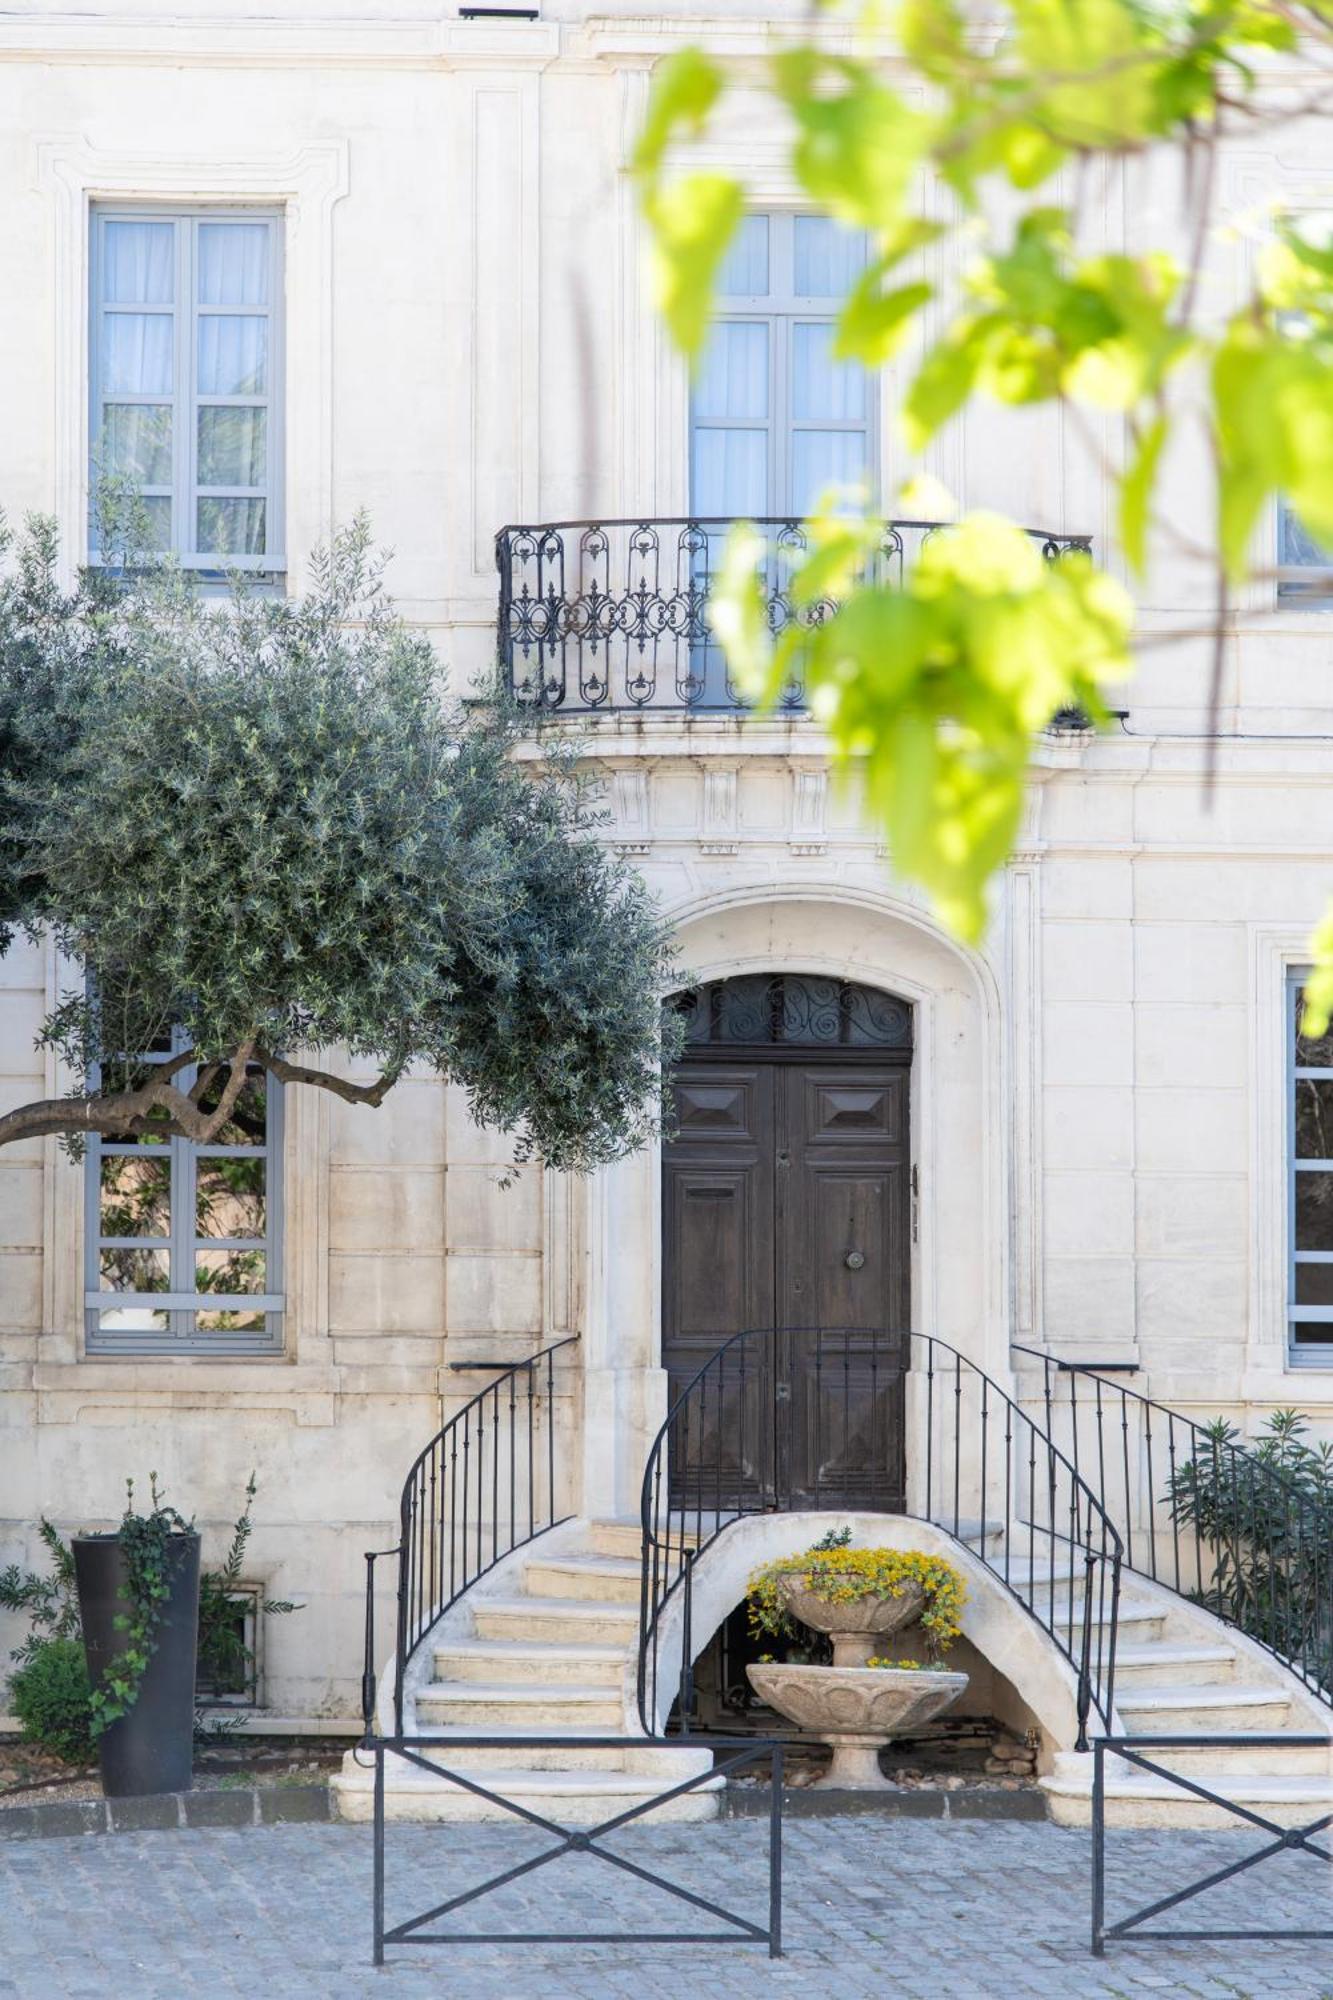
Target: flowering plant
point(840, 1575)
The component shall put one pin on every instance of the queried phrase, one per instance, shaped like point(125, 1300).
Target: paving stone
point(58, 1818)
point(230, 1808)
point(303, 1804)
point(980, 1909)
point(162, 1809)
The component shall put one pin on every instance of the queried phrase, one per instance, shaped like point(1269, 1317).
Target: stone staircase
point(546, 1645)
point(1180, 1671)
point(550, 1649)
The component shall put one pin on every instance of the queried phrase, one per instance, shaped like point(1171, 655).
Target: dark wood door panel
point(785, 1206)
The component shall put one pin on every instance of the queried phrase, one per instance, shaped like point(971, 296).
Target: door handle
point(854, 1260)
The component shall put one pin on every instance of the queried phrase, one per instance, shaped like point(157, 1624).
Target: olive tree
point(262, 835)
point(936, 688)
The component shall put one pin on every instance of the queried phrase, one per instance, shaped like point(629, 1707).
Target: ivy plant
point(930, 129)
point(145, 1542)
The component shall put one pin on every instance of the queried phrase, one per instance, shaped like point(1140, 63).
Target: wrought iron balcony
point(600, 616)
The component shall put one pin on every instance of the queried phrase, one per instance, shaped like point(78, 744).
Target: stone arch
point(960, 1252)
point(994, 1623)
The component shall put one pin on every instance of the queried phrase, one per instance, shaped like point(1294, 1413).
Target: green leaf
point(1136, 491)
point(685, 88)
point(873, 324)
point(693, 221)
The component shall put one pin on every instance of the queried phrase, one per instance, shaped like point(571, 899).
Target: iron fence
point(772, 1400)
point(1202, 1514)
point(613, 615)
point(1142, 1752)
point(730, 1754)
point(485, 1485)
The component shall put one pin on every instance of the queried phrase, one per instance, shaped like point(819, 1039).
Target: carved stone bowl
point(854, 1624)
point(856, 1710)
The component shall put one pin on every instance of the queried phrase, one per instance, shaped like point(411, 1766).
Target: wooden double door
point(786, 1210)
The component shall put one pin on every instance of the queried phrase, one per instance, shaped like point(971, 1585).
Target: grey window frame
point(182, 1335)
point(185, 398)
point(781, 312)
point(1308, 1353)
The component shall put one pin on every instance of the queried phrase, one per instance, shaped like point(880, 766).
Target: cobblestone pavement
point(872, 1907)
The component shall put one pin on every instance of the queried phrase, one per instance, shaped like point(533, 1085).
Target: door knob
point(854, 1260)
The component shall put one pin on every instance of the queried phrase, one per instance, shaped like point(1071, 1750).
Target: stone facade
point(1098, 1096)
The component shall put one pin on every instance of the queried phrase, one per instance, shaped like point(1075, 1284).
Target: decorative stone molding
point(720, 824)
point(809, 800)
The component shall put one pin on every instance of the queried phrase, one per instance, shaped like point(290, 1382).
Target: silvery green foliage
point(261, 821)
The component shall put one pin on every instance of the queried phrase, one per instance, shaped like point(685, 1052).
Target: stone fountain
point(855, 1708)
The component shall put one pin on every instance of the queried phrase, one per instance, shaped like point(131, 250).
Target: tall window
point(1310, 1161)
point(774, 418)
point(186, 371)
point(184, 1242)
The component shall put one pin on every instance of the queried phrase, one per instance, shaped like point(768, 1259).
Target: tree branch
point(125, 1114)
point(323, 1079)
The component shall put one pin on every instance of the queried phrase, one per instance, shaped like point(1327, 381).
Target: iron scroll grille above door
point(794, 1010)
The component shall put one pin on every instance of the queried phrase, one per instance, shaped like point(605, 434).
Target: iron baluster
point(957, 1435)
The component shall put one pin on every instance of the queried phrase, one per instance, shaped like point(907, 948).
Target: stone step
point(525, 1661)
point(1174, 1706)
point(1138, 1799)
point(567, 1750)
point(601, 1579)
point(1286, 1760)
point(1165, 1664)
point(559, 1620)
point(491, 1705)
point(571, 1798)
point(624, 1539)
point(1138, 1623)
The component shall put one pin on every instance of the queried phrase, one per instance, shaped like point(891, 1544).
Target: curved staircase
point(541, 1626)
point(545, 1645)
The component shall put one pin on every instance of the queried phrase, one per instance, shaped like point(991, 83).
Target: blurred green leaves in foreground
point(934, 688)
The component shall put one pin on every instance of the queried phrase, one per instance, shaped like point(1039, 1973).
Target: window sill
point(187, 1381)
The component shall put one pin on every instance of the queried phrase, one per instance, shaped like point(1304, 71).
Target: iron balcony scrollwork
point(612, 616)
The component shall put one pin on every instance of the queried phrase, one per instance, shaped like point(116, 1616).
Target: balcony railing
point(613, 615)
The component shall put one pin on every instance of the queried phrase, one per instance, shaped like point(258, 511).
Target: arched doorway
point(786, 1204)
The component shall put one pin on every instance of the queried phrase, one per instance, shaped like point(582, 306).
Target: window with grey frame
point(184, 1241)
point(186, 367)
point(1310, 1188)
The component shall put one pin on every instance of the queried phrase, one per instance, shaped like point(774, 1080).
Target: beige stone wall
point(1098, 1100)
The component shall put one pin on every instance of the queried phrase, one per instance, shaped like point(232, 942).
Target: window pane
point(829, 259)
point(1314, 1287)
point(229, 1197)
point(137, 353)
point(822, 387)
point(229, 1322)
point(136, 441)
point(248, 1123)
point(233, 447)
point(733, 381)
point(134, 1319)
point(135, 1196)
point(1314, 1119)
point(1314, 1211)
point(230, 1271)
point(744, 273)
point(825, 458)
point(138, 263)
point(233, 264)
point(1312, 1052)
point(730, 472)
point(1297, 547)
point(233, 355)
point(231, 527)
point(136, 1271)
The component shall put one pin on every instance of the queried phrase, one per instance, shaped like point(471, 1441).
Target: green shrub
point(51, 1697)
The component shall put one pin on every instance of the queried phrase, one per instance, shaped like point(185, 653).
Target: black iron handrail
point(983, 1470)
point(484, 1486)
point(598, 616)
point(1203, 1515)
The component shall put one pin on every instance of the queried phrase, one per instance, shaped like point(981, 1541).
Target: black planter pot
point(152, 1748)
